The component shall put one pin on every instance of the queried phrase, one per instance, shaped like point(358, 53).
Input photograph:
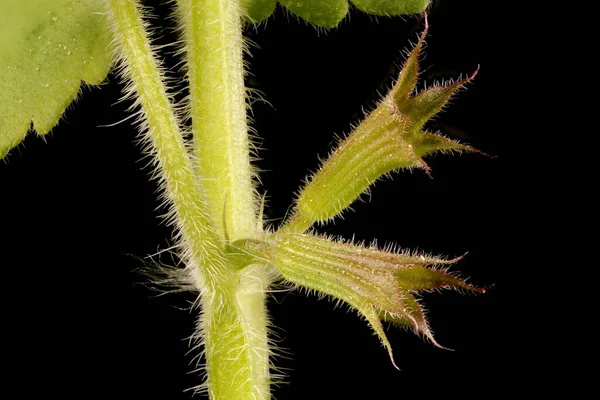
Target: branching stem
point(213, 201)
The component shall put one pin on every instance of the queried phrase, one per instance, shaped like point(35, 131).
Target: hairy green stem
point(235, 334)
point(215, 201)
point(174, 164)
point(214, 48)
point(235, 326)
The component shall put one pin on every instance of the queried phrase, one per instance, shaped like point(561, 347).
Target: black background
point(79, 212)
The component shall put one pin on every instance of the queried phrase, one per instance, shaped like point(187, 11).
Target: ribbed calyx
point(390, 138)
point(379, 284)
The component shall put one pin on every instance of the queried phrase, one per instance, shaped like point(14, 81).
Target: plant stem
point(214, 47)
point(233, 324)
point(235, 333)
point(166, 142)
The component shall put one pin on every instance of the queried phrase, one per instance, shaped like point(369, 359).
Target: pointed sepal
point(413, 318)
point(418, 278)
point(409, 75)
point(424, 106)
point(424, 143)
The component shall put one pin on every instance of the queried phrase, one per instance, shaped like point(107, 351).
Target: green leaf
point(391, 7)
point(326, 14)
point(47, 47)
point(258, 10)
point(329, 13)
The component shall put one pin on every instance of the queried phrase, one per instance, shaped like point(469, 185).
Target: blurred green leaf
point(391, 7)
point(47, 47)
point(329, 13)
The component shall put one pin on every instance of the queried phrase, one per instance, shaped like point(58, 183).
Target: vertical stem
point(235, 333)
point(214, 46)
point(234, 325)
point(234, 322)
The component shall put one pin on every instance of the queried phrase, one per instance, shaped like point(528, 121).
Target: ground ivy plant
point(49, 47)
